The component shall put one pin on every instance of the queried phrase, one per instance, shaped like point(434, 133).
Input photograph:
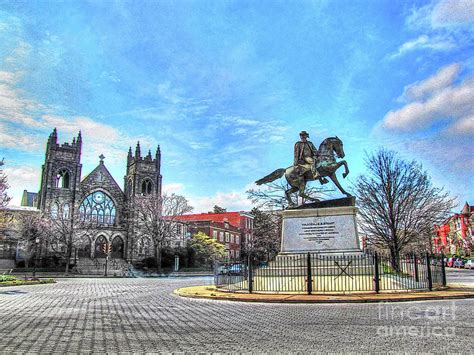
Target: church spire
point(137, 151)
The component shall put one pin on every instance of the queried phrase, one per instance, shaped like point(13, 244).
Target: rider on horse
point(306, 156)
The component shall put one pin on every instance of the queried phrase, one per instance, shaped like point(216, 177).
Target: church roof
point(98, 175)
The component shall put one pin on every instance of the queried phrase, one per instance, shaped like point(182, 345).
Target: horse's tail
point(271, 177)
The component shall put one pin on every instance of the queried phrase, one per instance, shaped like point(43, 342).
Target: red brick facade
point(455, 235)
point(230, 228)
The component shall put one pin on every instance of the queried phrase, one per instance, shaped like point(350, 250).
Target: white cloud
point(232, 201)
point(19, 178)
point(436, 99)
point(444, 13)
point(443, 78)
point(175, 187)
point(436, 43)
point(464, 126)
point(449, 12)
point(441, 25)
point(19, 140)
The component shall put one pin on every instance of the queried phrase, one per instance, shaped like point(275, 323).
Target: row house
point(455, 235)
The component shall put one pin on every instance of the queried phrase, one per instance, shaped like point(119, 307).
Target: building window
point(54, 211)
point(99, 208)
point(237, 239)
point(66, 211)
point(231, 253)
point(237, 254)
point(231, 238)
point(214, 235)
point(146, 187)
point(62, 179)
point(221, 236)
point(227, 237)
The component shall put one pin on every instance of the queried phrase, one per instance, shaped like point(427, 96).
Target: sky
point(225, 87)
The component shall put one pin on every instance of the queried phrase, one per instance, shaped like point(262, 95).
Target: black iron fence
point(321, 273)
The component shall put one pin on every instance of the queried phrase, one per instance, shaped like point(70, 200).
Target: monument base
point(327, 230)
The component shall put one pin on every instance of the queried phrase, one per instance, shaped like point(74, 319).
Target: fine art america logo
point(417, 320)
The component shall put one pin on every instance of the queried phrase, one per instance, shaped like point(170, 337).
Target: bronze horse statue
point(326, 165)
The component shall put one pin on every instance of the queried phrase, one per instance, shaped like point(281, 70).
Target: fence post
point(415, 262)
point(428, 271)
point(443, 270)
point(250, 276)
point(377, 273)
point(310, 276)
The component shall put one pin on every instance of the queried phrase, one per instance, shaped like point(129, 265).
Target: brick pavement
point(143, 315)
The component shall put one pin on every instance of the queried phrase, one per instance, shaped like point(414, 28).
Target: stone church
point(97, 197)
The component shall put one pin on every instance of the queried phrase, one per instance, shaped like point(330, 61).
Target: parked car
point(458, 263)
point(469, 264)
point(450, 262)
point(235, 269)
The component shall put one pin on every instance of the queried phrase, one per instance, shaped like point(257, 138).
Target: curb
point(260, 298)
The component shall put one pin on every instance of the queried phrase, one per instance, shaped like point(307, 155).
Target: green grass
point(10, 280)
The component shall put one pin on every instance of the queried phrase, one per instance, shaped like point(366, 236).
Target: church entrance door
point(117, 248)
point(98, 250)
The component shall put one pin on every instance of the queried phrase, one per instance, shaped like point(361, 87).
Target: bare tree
point(4, 198)
point(156, 218)
point(265, 240)
point(65, 231)
point(31, 229)
point(272, 195)
point(398, 204)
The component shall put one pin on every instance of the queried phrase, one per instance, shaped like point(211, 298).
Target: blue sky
point(225, 86)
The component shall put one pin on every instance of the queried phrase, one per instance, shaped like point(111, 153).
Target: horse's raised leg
point(346, 167)
point(333, 177)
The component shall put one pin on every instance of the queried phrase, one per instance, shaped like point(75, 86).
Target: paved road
point(460, 276)
point(143, 315)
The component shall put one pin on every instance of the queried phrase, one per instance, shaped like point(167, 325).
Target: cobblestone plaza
point(143, 315)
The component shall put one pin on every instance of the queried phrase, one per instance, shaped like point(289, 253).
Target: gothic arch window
point(54, 211)
point(66, 211)
point(98, 208)
point(62, 179)
point(146, 187)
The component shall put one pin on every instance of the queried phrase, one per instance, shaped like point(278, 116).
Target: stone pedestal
point(327, 230)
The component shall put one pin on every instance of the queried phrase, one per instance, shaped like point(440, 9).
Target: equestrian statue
point(311, 164)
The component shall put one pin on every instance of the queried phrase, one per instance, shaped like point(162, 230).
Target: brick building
point(455, 235)
point(230, 228)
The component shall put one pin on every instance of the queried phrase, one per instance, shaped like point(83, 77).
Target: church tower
point(61, 175)
point(143, 175)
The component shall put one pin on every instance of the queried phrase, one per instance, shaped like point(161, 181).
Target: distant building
point(231, 229)
point(9, 241)
point(29, 199)
point(455, 235)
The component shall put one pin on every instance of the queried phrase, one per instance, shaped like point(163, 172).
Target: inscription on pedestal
point(320, 233)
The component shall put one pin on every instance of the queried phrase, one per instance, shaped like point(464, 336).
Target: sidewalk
point(210, 292)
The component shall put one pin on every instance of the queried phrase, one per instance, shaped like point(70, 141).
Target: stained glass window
point(99, 208)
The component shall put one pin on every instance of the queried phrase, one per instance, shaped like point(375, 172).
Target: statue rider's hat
point(304, 133)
